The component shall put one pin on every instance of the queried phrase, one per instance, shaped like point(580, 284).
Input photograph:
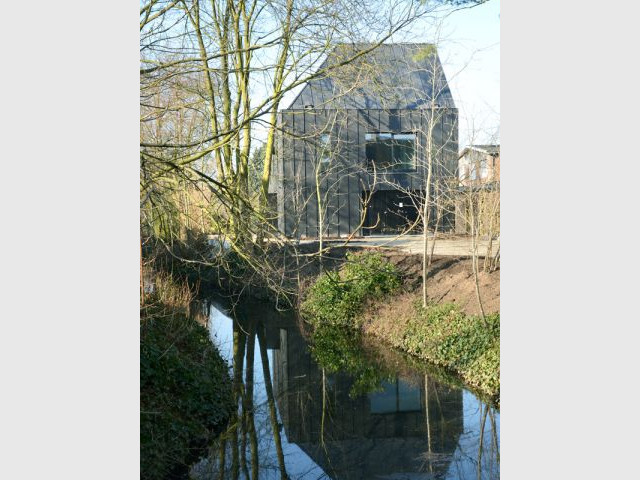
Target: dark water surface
point(383, 417)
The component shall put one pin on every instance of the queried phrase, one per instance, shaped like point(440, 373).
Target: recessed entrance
point(390, 212)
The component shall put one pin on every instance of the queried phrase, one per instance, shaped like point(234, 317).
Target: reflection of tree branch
point(484, 408)
point(426, 408)
point(272, 407)
point(239, 339)
point(494, 434)
point(222, 451)
point(248, 406)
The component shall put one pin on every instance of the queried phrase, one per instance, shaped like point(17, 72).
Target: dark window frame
point(375, 409)
point(392, 146)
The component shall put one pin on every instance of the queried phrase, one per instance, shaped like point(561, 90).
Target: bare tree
point(478, 211)
point(211, 73)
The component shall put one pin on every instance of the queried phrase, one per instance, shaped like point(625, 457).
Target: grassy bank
point(366, 295)
point(185, 387)
point(441, 334)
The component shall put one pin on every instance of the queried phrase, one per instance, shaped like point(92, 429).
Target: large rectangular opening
point(391, 151)
point(390, 212)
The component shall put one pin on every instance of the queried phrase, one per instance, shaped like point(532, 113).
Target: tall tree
point(212, 74)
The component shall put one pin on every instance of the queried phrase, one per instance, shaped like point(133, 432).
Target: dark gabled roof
point(393, 76)
point(488, 149)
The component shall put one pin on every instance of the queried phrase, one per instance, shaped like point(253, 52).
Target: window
point(324, 148)
point(396, 396)
point(462, 174)
point(484, 170)
point(479, 171)
point(391, 151)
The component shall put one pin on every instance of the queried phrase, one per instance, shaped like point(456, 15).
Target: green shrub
point(337, 297)
point(185, 393)
point(441, 334)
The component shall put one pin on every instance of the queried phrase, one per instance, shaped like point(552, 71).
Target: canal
point(344, 407)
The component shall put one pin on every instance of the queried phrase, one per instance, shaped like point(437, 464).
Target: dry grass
point(169, 298)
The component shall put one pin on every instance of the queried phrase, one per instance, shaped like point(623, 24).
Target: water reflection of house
point(382, 433)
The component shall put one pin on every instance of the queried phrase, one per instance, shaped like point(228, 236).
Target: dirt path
point(444, 246)
point(450, 280)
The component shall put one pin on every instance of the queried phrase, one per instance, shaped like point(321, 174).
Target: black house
point(352, 153)
point(382, 434)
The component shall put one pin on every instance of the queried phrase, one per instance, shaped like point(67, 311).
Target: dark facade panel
point(344, 176)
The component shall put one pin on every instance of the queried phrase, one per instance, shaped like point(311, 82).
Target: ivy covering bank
point(466, 345)
point(185, 390)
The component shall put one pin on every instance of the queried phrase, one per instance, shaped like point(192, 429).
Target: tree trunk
point(474, 257)
point(320, 216)
point(426, 213)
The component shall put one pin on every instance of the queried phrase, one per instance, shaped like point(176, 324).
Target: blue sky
point(468, 43)
point(470, 53)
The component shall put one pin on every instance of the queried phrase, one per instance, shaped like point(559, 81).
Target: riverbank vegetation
point(337, 297)
point(365, 296)
point(185, 387)
point(443, 335)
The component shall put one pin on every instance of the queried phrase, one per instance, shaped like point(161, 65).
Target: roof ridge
point(384, 43)
point(404, 78)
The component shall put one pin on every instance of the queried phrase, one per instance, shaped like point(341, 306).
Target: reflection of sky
point(298, 463)
point(395, 395)
point(464, 462)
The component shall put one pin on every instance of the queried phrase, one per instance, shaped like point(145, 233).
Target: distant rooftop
point(488, 149)
point(393, 76)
